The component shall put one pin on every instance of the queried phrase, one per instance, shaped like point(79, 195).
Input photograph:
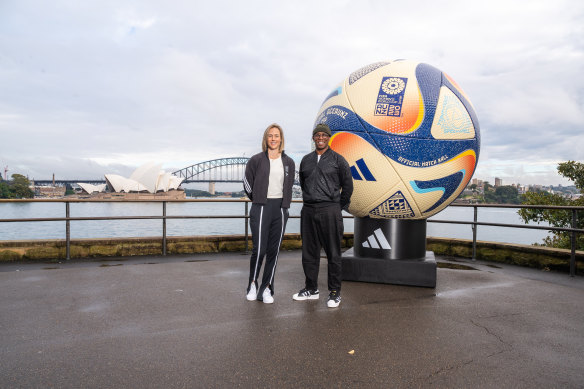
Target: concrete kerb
point(43, 250)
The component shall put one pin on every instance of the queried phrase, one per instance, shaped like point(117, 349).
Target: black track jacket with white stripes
point(257, 174)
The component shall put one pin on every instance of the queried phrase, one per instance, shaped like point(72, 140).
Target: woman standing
point(268, 181)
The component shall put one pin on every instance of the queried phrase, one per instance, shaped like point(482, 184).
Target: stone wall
point(55, 250)
point(540, 257)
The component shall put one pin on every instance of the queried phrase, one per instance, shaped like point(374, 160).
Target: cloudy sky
point(95, 87)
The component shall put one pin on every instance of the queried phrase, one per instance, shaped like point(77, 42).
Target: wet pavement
point(183, 322)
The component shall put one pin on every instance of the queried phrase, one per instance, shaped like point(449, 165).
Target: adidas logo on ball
point(361, 167)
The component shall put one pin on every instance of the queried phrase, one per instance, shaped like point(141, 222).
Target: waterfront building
point(51, 191)
point(90, 188)
point(146, 182)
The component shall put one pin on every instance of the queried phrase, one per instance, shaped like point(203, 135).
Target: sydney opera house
point(146, 182)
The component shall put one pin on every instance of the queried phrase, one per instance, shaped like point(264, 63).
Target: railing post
point(164, 228)
point(573, 244)
point(474, 234)
point(246, 227)
point(67, 232)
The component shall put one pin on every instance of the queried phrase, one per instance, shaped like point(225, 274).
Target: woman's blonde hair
point(265, 139)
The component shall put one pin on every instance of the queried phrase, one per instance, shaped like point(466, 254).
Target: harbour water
point(187, 227)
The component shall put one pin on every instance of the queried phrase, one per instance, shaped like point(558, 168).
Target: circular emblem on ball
point(393, 86)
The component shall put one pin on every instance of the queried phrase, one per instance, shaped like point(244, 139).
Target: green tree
point(558, 218)
point(507, 195)
point(5, 192)
point(574, 171)
point(20, 187)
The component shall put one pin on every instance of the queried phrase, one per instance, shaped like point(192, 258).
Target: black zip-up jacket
point(257, 176)
point(326, 181)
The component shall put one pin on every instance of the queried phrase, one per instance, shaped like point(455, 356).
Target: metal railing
point(475, 223)
point(164, 217)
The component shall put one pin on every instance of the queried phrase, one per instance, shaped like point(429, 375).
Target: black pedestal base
point(412, 272)
point(390, 251)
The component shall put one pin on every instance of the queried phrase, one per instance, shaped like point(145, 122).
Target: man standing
point(327, 185)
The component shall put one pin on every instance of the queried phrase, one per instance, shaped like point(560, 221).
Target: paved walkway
point(183, 322)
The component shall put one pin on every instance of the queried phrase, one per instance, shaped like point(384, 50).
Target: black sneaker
point(306, 294)
point(334, 299)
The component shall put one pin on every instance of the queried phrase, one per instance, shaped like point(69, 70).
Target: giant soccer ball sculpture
point(411, 137)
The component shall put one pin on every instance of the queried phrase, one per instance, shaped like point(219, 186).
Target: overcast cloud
point(95, 87)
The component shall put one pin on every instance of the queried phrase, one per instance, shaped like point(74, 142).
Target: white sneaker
point(267, 296)
point(253, 292)
point(334, 299)
point(306, 294)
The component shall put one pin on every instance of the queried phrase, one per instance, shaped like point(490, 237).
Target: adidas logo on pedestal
point(377, 241)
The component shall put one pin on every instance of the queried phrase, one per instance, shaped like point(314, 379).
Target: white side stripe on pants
point(255, 272)
point(279, 244)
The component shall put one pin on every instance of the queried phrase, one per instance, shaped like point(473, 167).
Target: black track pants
point(268, 223)
point(322, 227)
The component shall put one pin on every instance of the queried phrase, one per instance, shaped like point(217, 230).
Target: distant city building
point(49, 191)
point(566, 191)
point(519, 187)
point(477, 182)
point(535, 188)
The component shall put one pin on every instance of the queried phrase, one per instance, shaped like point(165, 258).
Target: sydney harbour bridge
point(216, 170)
point(231, 169)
